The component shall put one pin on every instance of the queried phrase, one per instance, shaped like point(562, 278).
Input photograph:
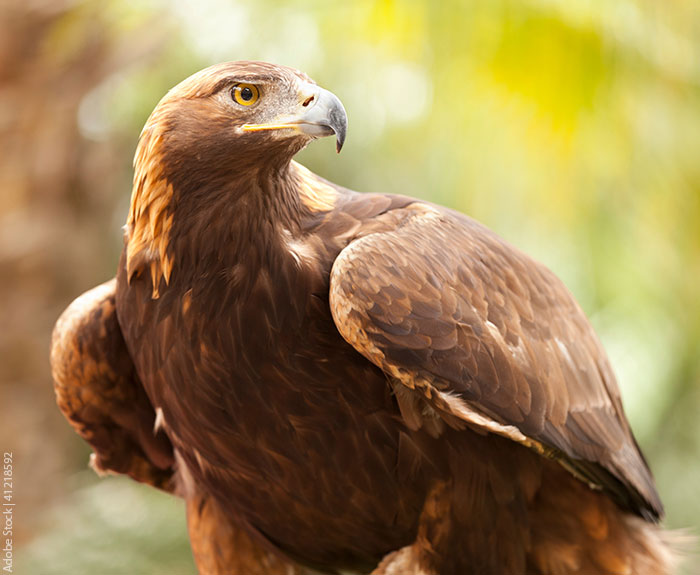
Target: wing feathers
point(99, 392)
point(489, 336)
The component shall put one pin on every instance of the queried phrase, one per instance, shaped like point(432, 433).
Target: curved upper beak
point(321, 114)
point(324, 115)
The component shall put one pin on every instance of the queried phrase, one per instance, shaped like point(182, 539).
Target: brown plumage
point(336, 380)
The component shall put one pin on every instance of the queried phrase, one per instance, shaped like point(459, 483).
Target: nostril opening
point(308, 101)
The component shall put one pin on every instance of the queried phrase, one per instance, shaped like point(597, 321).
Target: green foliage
point(111, 527)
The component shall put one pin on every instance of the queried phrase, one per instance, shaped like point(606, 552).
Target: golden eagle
point(337, 381)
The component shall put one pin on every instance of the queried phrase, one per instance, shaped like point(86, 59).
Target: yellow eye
point(245, 94)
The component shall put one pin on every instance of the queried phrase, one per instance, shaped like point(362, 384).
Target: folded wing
point(98, 391)
point(468, 326)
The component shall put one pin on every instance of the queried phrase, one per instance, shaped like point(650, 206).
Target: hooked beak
point(321, 114)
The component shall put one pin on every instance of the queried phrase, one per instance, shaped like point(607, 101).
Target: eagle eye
point(245, 94)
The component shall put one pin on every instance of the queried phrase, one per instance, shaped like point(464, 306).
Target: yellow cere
point(245, 94)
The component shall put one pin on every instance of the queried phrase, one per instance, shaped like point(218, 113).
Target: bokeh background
point(571, 127)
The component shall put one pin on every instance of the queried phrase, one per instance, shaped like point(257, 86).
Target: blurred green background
point(571, 127)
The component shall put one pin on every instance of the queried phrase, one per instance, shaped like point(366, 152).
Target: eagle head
point(227, 122)
point(243, 114)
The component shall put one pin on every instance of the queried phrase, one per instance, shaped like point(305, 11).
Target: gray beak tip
point(339, 124)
